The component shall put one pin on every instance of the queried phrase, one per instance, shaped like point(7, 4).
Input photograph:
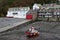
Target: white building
point(18, 12)
point(37, 6)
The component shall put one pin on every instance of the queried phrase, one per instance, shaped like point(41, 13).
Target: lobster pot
point(29, 16)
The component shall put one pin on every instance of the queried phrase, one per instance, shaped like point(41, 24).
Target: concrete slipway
point(7, 23)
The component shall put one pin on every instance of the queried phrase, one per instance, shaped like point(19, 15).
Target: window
point(48, 15)
point(15, 13)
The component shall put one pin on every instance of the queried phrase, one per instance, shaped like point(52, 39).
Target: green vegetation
point(5, 4)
